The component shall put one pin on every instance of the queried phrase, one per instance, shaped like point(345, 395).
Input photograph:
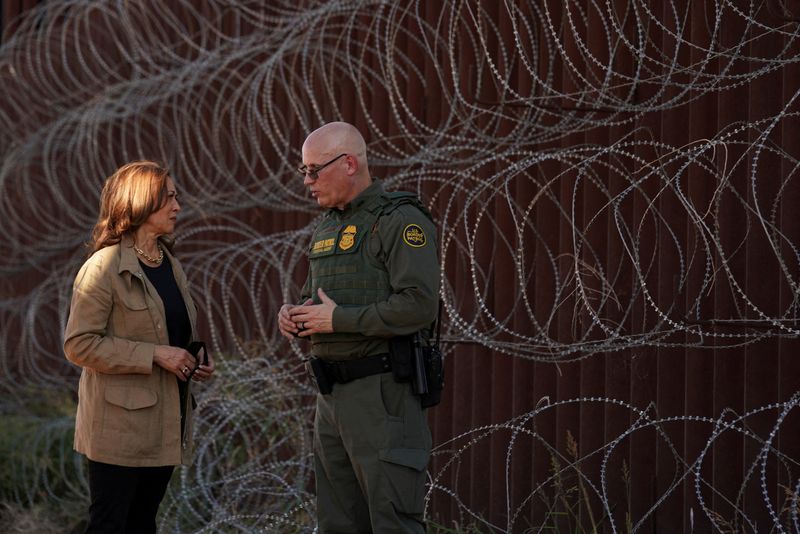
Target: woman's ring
point(302, 326)
point(185, 370)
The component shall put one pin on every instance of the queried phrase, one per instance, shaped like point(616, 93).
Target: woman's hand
point(175, 360)
point(204, 372)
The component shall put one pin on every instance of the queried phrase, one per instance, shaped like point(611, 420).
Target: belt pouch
point(400, 352)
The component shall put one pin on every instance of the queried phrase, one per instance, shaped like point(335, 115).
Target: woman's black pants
point(125, 500)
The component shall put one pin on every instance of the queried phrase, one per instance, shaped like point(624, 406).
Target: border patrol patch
point(348, 237)
point(414, 236)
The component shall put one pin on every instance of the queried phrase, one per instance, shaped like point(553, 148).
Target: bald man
point(373, 280)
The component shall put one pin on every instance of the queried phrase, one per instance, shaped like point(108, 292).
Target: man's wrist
point(343, 320)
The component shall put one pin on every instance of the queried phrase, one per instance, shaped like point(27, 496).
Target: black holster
point(420, 365)
point(316, 369)
point(434, 373)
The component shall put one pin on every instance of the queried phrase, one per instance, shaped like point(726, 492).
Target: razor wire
point(527, 127)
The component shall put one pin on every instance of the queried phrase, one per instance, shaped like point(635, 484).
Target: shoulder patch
point(414, 236)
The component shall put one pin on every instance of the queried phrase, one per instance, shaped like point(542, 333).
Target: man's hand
point(289, 328)
point(314, 318)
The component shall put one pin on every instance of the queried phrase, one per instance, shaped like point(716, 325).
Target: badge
point(413, 236)
point(348, 237)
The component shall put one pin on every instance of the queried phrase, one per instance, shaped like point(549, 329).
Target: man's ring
point(185, 370)
point(302, 326)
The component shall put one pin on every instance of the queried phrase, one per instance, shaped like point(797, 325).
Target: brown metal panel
point(788, 365)
point(567, 416)
point(699, 361)
point(678, 375)
point(762, 360)
point(673, 226)
point(725, 469)
point(644, 228)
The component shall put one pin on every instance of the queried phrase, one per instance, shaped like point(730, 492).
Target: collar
point(375, 189)
point(127, 256)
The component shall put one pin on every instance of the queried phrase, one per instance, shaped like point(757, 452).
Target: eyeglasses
point(313, 172)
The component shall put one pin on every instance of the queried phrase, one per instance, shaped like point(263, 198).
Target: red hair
point(129, 196)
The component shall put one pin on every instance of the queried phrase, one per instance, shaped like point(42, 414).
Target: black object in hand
point(194, 349)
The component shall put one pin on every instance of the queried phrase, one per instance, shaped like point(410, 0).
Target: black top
point(179, 328)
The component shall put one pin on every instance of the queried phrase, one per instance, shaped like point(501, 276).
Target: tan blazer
point(128, 407)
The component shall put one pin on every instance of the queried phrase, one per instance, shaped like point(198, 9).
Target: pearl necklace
point(142, 253)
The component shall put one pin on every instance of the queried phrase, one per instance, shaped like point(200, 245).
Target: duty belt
point(347, 371)
point(328, 373)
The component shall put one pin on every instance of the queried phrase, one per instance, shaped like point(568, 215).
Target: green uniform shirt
point(378, 256)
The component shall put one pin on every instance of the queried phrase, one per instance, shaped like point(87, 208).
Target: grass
point(41, 488)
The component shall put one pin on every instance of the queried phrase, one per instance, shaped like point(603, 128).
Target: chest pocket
point(334, 257)
point(133, 300)
point(131, 317)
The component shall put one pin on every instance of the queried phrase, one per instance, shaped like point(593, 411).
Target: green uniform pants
point(371, 447)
